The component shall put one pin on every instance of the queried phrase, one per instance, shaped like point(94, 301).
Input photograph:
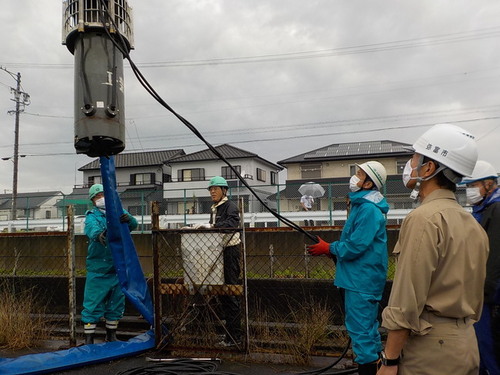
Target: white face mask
point(473, 195)
point(407, 173)
point(99, 203)
point(353, 183)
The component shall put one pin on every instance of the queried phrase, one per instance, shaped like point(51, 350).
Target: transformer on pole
point(96, 32)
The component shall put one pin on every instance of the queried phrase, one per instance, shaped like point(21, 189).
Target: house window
point(167, 177)
point(48, 214)
point(142, 179)
point(352, 169)
point(228, 173)
point(261, 175)
point(274, 178)
point(94, 180)
point(400, 166)
point(310, 171)
point(195, 174)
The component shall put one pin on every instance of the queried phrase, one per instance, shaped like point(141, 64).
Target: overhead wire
point(461, 36)
point(366, 48)
point(122, 46)
point(157, 97)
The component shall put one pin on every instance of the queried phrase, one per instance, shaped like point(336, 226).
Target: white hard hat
point(482, 171)
point(450, 146)
point(376, 171)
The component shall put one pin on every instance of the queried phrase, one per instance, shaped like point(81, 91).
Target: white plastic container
point(202, 258)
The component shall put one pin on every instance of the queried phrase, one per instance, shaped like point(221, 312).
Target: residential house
point(139, 178)
point(38, 205)
point(332, 166)
point(187, 192)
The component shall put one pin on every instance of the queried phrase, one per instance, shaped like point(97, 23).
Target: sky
point(273, 77)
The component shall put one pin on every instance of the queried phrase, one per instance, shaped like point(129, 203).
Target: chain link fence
point(201, 303)
point(279, 289)
point(289, 302)
point(34, 278)
point(180, 207)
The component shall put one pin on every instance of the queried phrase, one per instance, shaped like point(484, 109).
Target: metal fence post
point(185, 208)
point(27, 214)
point(155, 227)
point(271, 260)
point(143, 209)
point(63, 213)
point(306, 261)
point(70, 251)
point(330, 203)
point(245, 281)
point(278, 206)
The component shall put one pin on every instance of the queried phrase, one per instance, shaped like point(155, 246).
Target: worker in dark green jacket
point(103, 297)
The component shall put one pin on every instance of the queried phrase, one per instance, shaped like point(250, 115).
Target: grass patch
point(20, 318)
point(297, 335)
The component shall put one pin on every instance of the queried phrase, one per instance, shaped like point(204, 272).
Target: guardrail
point(260, 219)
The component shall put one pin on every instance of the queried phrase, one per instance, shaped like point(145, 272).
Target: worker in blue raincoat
point(361, 262)
point(103, 297)
point(483, 194)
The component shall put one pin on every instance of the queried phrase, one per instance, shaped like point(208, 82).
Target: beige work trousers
point(450, 348)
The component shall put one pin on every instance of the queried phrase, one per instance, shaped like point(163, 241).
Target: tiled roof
point(351, 150)
point(228, 151)
point(27, 200)
point(137, 159)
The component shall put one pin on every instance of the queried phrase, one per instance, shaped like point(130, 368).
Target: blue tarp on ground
point(133, 284)
point(49, 362)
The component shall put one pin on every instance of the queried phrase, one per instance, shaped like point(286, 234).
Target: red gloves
point(320, 248)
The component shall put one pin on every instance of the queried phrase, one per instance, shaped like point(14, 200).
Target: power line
point(306, 125)
point(281, 137)
point(360, 49)
point(433, 40)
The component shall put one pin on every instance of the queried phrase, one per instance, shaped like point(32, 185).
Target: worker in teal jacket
point(361, 262)
point(103, 297)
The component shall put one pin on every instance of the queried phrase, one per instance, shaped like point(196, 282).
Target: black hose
point(88, 107)
point(143, 81)
point(178, 366)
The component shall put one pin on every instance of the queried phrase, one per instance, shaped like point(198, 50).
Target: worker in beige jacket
point(437, 293)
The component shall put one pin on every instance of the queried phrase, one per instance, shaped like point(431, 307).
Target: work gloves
point(102, 238)
point(320, 248)
point(124, 218)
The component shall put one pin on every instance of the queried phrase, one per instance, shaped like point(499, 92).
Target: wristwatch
point(389, 362)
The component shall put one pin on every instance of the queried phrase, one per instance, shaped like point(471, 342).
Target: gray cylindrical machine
point(99, 89)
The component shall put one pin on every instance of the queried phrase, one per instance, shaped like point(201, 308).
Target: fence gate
point(194, 306)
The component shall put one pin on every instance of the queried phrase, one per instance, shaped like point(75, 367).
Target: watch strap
point(389, 362)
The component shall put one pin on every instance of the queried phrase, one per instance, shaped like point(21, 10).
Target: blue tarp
point(44, 363)
point(125, 257)
point(134, 287)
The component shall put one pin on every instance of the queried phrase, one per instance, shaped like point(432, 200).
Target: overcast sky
point(274, 77)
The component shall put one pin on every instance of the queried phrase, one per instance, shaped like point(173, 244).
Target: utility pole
point(22, 99)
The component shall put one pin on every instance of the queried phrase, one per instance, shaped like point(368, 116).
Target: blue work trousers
point(103, 298)
point(361, 311)
point(485, 332)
